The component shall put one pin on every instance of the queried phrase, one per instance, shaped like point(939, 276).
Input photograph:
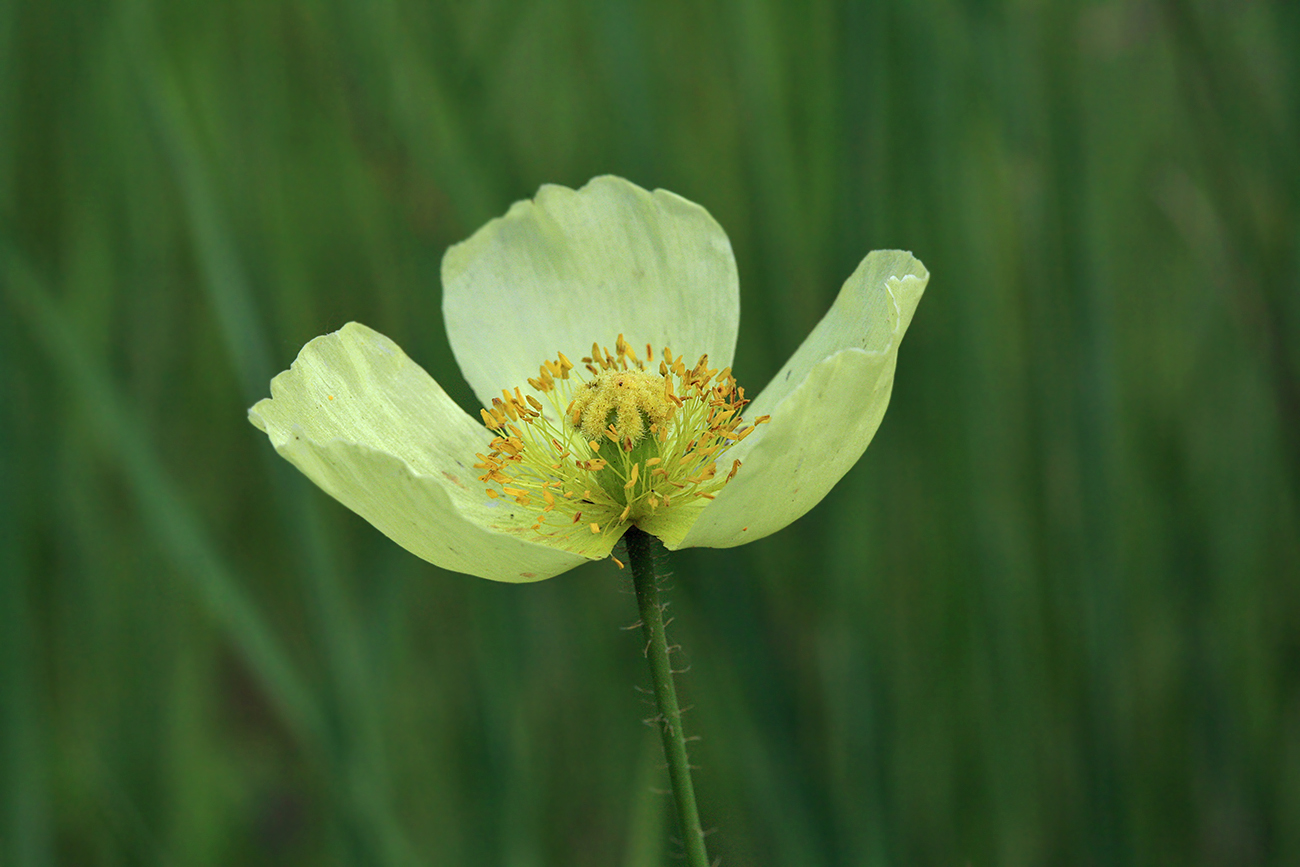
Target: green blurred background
point(1052, 617)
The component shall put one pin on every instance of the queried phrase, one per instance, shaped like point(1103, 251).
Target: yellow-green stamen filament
point(600, 453)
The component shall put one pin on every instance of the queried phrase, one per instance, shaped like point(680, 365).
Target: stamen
point(578, 450)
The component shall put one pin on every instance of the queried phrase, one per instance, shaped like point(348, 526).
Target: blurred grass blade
point(161, 507)
point(26, 829)
point(647, 824)
point(229, 292)
point(223, 278)
point(427, 119)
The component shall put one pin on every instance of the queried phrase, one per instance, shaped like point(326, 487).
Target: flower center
point(596, 454)
point(622, 401)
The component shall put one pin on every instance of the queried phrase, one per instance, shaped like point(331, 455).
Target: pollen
point(620, 404)
point(594, 454)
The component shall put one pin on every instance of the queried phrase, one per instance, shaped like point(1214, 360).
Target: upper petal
point(825, 405)
point(376, 432)
point(572, 267)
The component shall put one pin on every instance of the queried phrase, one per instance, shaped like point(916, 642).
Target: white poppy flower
point(652, 434)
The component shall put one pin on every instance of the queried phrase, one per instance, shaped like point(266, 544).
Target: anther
point(691, 416)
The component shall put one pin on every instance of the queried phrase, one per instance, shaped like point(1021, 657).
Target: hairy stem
point(641, 549)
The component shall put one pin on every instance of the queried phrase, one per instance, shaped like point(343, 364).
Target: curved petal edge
point(825, 406)
point(377, 433)
point(571, 267)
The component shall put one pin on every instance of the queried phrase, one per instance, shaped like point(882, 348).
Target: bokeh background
point(1052, 617)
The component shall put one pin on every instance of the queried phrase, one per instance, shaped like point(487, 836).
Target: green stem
point(640, 552)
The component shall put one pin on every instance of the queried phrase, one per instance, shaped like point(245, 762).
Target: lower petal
point(377, 433)
point(825, 406)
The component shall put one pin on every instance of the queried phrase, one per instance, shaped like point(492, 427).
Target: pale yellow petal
point(825, 406)
point(570, 268)
point(376, 432)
